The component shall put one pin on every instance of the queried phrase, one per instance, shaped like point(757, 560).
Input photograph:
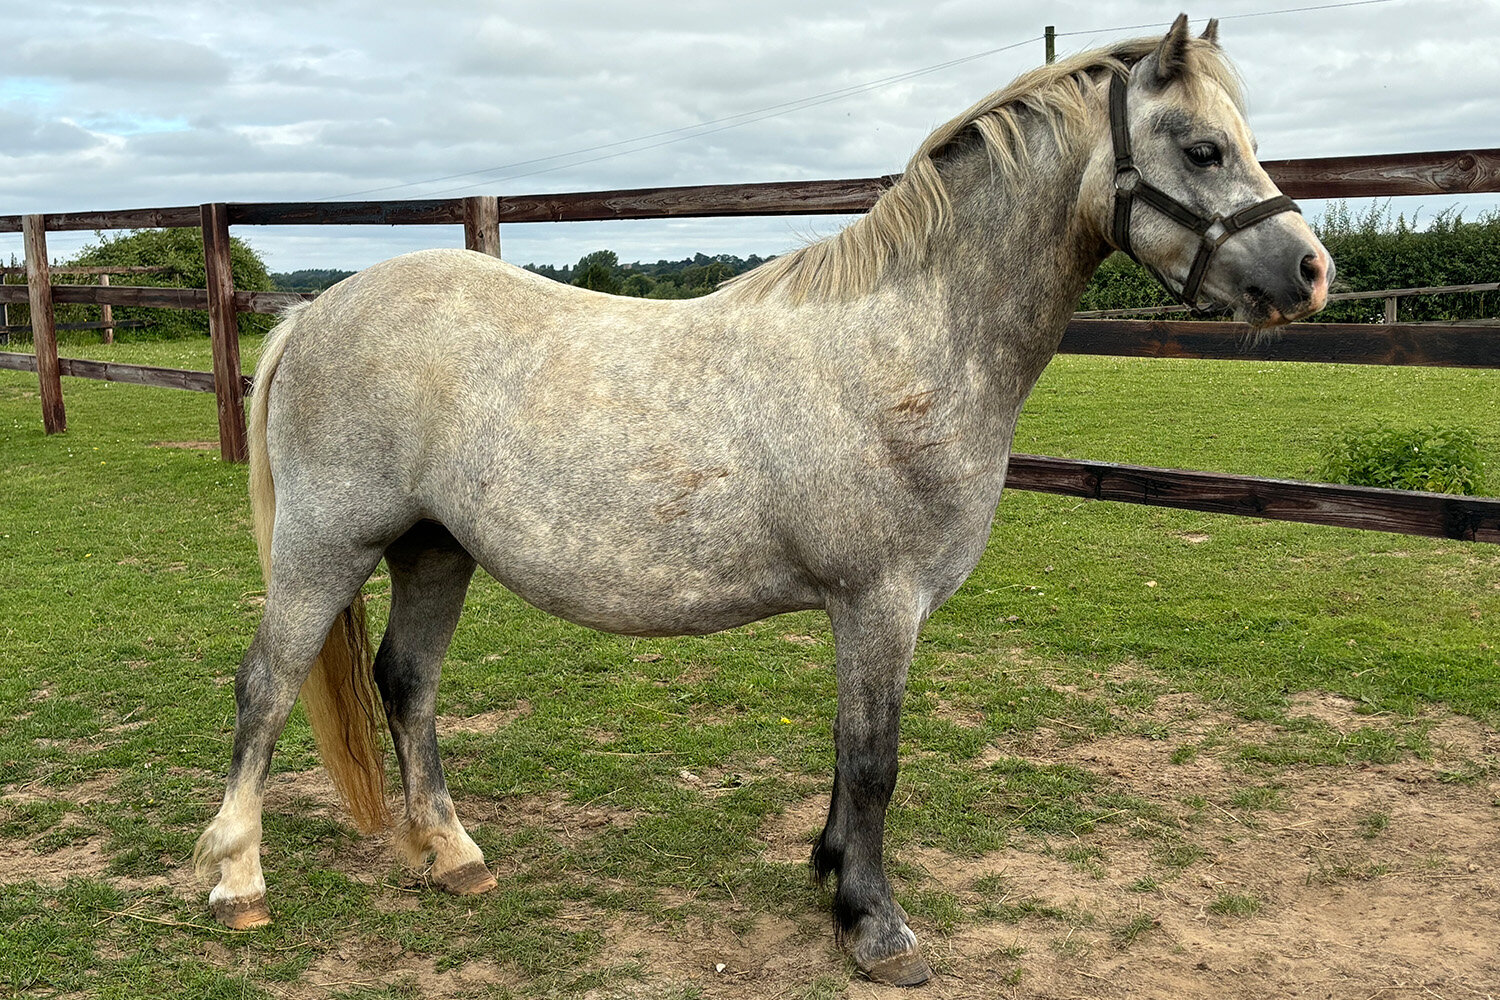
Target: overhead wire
point(701, 128)
point(722, 124)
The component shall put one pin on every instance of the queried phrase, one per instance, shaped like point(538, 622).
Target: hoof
point(241, 914)
point(466, 880)
point(905, 969)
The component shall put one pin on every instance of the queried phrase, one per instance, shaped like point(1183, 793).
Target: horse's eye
point(1204, 154)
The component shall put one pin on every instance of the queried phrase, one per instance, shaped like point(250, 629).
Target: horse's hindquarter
point(638, 466)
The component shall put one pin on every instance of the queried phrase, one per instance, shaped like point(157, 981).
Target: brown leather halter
point(1130, 185)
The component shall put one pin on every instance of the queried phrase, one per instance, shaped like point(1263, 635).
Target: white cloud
point(140, 102)
point(124, 58)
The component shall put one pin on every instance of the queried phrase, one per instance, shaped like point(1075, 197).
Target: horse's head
point(1178, 187)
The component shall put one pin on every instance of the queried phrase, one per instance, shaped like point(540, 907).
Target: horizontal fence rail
point(108, 371)
point(1459, 171)
point(159, 298)
point(1471, 345)
point(1422, 345)
point(1435, 515)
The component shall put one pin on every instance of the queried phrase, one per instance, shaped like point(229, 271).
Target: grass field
point(1121, 706)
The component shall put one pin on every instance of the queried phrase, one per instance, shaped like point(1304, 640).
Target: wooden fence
point(1435, 173)
point(1391, 296)
point(106, 324)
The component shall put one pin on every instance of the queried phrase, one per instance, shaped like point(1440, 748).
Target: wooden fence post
point(224, 333)
point(1390, 310)
point(482, 224)
point(107, 313)
point(43, 323)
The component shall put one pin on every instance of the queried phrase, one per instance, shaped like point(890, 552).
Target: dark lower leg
point(430, 574)
point(874, 642)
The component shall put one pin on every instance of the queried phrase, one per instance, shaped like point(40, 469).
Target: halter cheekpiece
point(1130, 185)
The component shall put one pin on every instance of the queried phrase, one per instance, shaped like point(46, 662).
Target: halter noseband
point(1130, 185)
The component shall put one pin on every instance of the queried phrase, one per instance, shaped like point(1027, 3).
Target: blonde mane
point(916, 207)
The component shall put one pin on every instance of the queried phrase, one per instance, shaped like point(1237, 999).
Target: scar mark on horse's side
point(687, 482)
point(915, 404)
point(902, 451)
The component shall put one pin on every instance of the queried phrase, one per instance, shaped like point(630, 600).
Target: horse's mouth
point(1257, 309)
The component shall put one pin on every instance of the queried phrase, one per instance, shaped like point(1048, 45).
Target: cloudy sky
point(157, 102)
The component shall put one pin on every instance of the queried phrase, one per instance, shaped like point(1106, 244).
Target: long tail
point(342, 703)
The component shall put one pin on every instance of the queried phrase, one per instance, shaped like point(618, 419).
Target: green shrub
point(1437, 459)
point(1375, 250)
point(180, 250)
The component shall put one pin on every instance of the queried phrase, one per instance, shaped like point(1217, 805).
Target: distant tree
point(563, 274)
point(308, 279)
point(638, 285)
point(715, 272)
point(600, 271)
point(665, 279)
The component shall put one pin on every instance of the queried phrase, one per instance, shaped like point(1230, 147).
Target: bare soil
point(1378, 882)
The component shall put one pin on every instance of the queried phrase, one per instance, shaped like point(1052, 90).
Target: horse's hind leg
point(430, 574)
point(302, 602)
point(874, 637)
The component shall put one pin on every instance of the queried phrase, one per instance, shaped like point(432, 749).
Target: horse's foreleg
point(430, 573)
point(874, 636)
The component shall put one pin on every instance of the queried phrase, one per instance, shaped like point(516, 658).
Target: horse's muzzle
point(1301, 291)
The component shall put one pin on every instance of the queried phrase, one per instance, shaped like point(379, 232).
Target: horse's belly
point(666, 595)
point(635, 562)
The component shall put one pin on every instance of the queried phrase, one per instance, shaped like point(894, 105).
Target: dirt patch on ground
point(1373, 881)
point(1334, 709)
point(30, 858)
point(761, 957)
point(24, 861)
point(371, 964)
point(567, 821)
point(789, 837)
point(1361, 882)
point(485, 722)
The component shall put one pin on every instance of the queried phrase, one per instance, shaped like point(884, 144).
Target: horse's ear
point(1211, 33)
point(1171, 54)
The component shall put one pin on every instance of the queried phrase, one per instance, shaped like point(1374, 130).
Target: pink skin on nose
point(1323, 267)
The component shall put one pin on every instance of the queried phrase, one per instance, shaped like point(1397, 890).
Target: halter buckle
point(1127, 179)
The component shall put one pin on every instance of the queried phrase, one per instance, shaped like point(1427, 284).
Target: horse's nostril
point(1312, 269)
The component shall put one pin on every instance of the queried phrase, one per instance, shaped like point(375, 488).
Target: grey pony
point(830, 431)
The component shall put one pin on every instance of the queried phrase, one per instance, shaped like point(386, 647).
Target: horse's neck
point(1004, 282)
point(1021, 252)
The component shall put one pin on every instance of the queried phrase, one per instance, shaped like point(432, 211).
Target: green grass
point(1235, 904)
point(129, 589)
